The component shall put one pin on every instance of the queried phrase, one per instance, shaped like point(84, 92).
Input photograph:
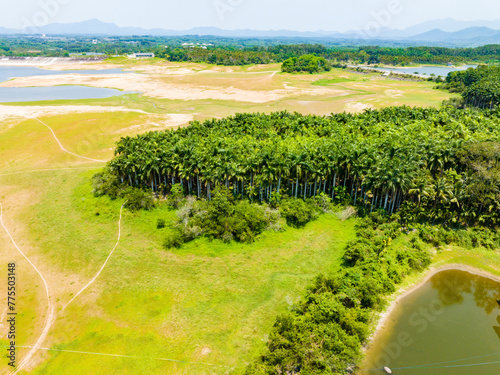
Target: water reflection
point(452, 318)
point(453, 285)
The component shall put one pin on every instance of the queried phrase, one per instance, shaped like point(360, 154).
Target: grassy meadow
point(203, 309)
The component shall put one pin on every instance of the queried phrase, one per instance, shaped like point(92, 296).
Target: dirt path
point(51, 316)
point(50, 307)
point(62, 147)
point(101, 269)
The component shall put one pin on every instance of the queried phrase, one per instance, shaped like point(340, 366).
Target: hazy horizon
point(295, 15)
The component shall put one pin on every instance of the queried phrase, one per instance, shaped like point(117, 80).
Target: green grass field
point(203, 309)
point(208, 302)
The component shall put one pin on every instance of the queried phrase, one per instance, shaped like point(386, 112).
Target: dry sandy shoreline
point(45, 61)
point(155, 87)
point(403, 292)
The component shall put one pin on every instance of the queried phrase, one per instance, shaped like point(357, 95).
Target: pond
point(35, 94)
point(29, 94)
point(449, 325)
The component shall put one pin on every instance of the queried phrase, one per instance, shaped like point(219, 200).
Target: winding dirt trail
point(50, 307)
point(101, 269)
point(62, 147)
point(51, 316)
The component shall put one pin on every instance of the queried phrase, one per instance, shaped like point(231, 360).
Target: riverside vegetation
point(240, 51)
point(419, 178)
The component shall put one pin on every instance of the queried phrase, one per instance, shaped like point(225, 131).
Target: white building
point(142, 55)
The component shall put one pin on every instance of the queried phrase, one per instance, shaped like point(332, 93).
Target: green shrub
point(160, 223)
point(224, 218)
point(176, 196)
point(174, 240)
point(137, 199)
point(107, 183)
point(297, 212)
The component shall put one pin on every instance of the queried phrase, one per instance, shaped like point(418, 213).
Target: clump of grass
point(347, 213)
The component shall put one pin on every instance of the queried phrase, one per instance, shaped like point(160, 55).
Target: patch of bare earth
point(9, 111)
point(394, 93)
point(357, 107)
point(154, 87)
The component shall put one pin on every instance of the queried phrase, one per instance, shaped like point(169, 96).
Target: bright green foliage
point(375, 160)
point(106, 183)
point(297, 212)
point(224, 218)
point(323, 334)
point(306, 64)
point(470, 239)
point(176, 196)
point(160, 223)
point(479, 87)
point(137, 199)
point(465, 195)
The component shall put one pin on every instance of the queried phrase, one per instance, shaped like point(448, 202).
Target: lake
point(29, 94)
point(425, 70)
point(449, 325)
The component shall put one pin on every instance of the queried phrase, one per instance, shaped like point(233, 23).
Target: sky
point(300, 15)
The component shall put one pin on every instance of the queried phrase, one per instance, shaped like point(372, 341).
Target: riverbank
point(47, 61)
point(414, 283)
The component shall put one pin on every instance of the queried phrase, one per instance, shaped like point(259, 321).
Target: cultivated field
point(204, 309)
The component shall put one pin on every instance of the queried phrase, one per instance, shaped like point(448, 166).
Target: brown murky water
point(450, 325)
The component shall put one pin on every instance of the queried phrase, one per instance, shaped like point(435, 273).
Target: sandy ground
point(384, 317)
point(47, 62)
point(7, 111)
point(151, 86)
point(357, 107)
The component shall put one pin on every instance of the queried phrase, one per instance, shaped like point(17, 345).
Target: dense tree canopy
point(241, 51)
point(306, 64)
point(383, 159)
point(479, 87)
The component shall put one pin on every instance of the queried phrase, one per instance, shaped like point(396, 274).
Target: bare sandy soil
point(48, 62)
point(154, 87)
point(7, 111)
point(357, 107)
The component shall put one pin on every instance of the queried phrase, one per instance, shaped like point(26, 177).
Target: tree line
point(478, 87)
point(241, 51)
point(306, 64)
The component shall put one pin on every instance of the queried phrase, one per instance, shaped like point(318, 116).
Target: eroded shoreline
point(405, 291)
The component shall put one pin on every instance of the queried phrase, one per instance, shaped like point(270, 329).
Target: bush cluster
point(471, 238)
point(106, 183)
point(306, 64)
point(324, 333)
point(228, 218)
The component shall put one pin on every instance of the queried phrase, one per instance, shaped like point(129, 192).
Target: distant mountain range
point(434, 32)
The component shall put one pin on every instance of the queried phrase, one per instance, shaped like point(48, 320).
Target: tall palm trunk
point(199, 185)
